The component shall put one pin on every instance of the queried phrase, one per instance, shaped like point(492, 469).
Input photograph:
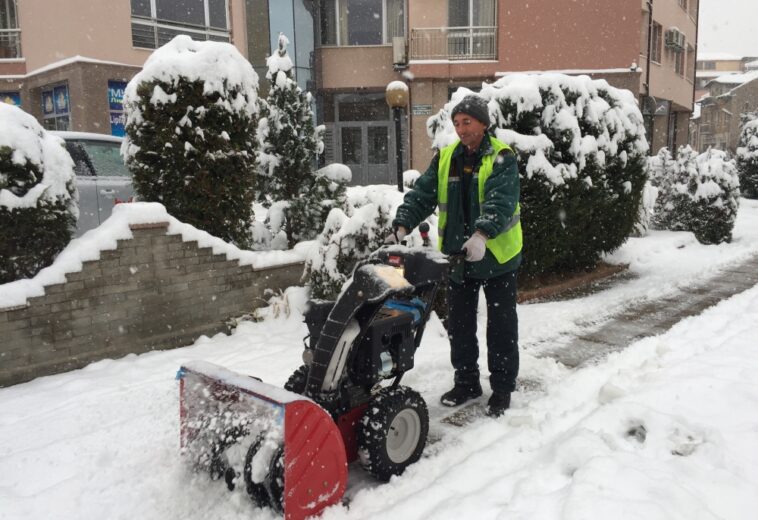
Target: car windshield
point(106, 158)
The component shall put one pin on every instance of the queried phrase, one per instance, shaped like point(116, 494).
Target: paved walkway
point(653, 318)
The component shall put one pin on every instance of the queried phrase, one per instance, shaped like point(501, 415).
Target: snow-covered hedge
point(698, 193)
point(581, 148)
point(190, 135)
point(747, 157)
point(352, 235)
point(38, 197)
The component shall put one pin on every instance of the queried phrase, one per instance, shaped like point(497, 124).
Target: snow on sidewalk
point(665, 429)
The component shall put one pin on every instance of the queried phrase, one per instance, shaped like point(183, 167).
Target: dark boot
point(499, 402)
point(461, 393)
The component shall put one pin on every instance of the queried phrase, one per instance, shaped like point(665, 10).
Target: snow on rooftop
point(74, 59)
point(717, 56)
point(736, 79)
point(116, 227)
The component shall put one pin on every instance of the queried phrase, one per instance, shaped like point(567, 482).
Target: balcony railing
point(10, 43)
point(454, 43)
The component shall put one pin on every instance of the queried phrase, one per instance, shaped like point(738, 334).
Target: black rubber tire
point(296, 382)
point(275, 481)
point(257, 492)
point(393, 432)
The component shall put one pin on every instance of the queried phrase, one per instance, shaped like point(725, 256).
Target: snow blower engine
point(290, 447)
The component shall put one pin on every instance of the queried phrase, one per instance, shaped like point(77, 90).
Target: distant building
point(716, 123)
point(711, 65)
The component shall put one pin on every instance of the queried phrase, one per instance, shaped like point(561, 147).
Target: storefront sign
point(421, 110)
point(116, 95)
point(12, 98)
point(118, 121)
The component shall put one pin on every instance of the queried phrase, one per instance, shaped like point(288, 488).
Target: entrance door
point(364, 148)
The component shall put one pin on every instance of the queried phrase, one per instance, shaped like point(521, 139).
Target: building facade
point(67, 62)
point(437, 46)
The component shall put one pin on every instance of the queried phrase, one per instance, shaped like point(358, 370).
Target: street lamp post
point(397, 98)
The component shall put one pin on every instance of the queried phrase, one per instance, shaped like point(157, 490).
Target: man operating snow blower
point(475, 183)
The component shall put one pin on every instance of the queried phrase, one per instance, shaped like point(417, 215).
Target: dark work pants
point(502, 331)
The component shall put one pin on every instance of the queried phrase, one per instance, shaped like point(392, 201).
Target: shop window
point(156, 22)
point(12, 98)
point(361, 22)
point(10, 34)
point(56, 108)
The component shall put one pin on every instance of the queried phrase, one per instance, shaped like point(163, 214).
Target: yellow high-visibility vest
point(508, 243)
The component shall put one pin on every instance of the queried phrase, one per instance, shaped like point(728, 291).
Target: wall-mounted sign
point(118, 121)
point(12, 98)
point(421, 110)
point(116, 95)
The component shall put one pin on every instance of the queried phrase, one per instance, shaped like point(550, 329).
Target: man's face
point(470, 131)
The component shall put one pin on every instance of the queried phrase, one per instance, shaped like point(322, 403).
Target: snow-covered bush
point(289, 145)
point(190, 135)
point(697, 193)
point(647, 209)
point(747, 157)
point(351, 235)
point(661, 172)
point(714, 198)
point(581, 151)
point(38, 197)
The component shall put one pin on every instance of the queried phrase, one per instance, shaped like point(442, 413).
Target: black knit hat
point(474, 106)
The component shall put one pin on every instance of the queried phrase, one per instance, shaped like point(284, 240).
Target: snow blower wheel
point(393, 432)
point(270, 491)
point(296, 382)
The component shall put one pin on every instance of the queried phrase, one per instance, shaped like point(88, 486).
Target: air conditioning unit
point(399, 52)
point(675, 39)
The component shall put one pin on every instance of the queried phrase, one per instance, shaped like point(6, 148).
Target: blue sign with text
point(118, 121)
point(116, 94)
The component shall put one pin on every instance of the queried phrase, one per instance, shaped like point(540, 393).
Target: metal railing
point(10, 44)
point(149, 33)
point(454, 43)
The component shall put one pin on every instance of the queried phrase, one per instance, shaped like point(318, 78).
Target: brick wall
point(153, 291)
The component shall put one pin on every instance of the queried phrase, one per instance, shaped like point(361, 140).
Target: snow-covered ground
point(666, 429)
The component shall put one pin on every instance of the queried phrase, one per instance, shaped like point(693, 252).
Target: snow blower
point(291, 447)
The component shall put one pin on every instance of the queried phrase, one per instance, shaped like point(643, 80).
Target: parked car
point(101, 176)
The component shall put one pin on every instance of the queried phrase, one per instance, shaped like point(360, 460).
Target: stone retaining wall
point(153, 291)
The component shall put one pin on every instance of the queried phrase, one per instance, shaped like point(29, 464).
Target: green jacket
point(501, 198)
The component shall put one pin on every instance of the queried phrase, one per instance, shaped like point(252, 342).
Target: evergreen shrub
point(190, 135)
point(289, 144)
point(38, 196)
point(747, 156)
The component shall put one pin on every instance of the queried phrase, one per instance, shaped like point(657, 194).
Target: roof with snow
point(736, 79)
point(717, 56)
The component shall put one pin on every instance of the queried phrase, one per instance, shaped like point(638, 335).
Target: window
point(10, 34)
point(657, 43)
point(156, 22)
point(471, 13)
point(361, 22)
point(56, 107)
point(12, 98)
point(680, 59)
